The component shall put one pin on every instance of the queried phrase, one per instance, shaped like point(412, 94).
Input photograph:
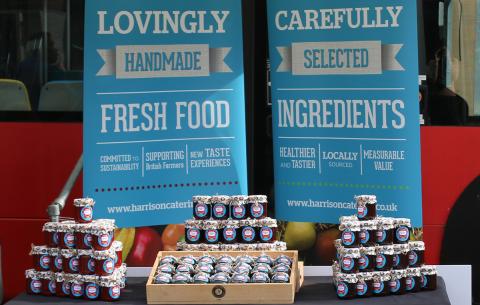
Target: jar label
point(45, 262)
point(229, 234)
point(91, 265)
point(348, 263)
point(424, 281)
point(66, 288)
point(86, 213)
point(412, 258)
point(114, 292)
point(211, 235)
point(364, 237)
point(362, 212)
point(219, 210)
point(266, 234)
point(395, 286)
point(348, 238)
point(193, 234)
point(403, 234)
point(239, 211)
point(77, 290)
point(92, 291)
point(58, 261)
point(52, 286)
point(36, 286)
point(378, 287)
point(201, 210)
point(410, 283)
point(55, 238)
point(108, 266)
point(362, 289)
point(381, 236)
point(248, 234)
point(69, 240)
point(342, 290)
point(381, 261)
point(87, 240)
point(256, 210)
point(73, 264)
point(104, 240)
point(363, 262)
point(396, 260)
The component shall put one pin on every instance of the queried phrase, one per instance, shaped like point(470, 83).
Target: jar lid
point(368, 250)
point(353, 226)
point(366, 199)
point(414, 271)
point(76, 278)
point(248, 222)
point(386, 249)
point(106, 254)
point(214, 247)
point(417, 245)
point(111, 281)
point(39, 250)
point(238, 199)
point(230, 223)
point(348, 278)
point(350, 252)
point(338, 243)
point(82, 202)
point(336, 268)
point(385, 223)
point(429, 270)
point(398, 274)
point(211, 224)
point(102, 226)
point(66, 226)
point(382, 276)
point(257, 198)
point(90, 279)
point(401, 248)
point(67, 253)
point(201, 198)
point(402, 222)
point(54, 251)
point(32, 274)
point(220, 199)
point(248, 247)
point(193, 223)
point(268, 222)
point(117, 245)
point(364, 276)
point(84, 227)
point(46, 275)
point(84, 252)
point(348, 218)
point(369, 225)
point(60, 277)
point(280, 246)
point(50, 227)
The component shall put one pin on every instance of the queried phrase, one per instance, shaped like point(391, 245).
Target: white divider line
point(340, 89)
point(166, 140)
point(340, 138)
point(166, 91)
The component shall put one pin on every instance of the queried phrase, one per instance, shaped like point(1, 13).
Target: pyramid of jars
point(230, 223)
point(80, 259)
point(377, 257)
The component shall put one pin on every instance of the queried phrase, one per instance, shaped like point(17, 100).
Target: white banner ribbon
point(196, 60)
point(341, 58)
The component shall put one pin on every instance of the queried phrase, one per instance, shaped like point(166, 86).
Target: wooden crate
point(225, 293)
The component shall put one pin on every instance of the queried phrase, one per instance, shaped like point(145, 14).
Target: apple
point(145, 248)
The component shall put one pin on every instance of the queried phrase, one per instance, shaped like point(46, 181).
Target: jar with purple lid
point(402, 228)
point(346, 285)
point(416, 256)
point(366, 207)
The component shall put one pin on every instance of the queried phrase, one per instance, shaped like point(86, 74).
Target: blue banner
point(345, 107)
point(164, 107)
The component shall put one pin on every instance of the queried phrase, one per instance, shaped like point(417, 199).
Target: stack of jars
point(376, 257)
point(80, 259)
point(230, 223)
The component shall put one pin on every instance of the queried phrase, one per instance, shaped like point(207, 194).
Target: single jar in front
point(384, 259)
point(367, 234)
point(118, 248)
point(110, 288)
point(83, 236)
point(400, 256)
point(416, 256)
point(413, 280)
point(350, 234)
point(66, 235)
point(62, 285)
point(257, 206)
point(349, 260)
point(92, 289)
point(367, 260)
point(402, 230)
point(397, 282)
point(104, 262)
point(70, 261)
point(248, 228)
point(77, 287)
point(201, 207)
point(41, 258)
point(230, 231)
point(428, 279)
point(211, 231)
point(364, 285)
point(220, 207)
point(346, 286)
point(56, 260)
point(380, 283)
point(193, 231)
point(366, 207)
point(83, 210)
point(238, 207)
point(34, 282)
point(102, 234)
point(267, 230)
point(86, 262)
point(50, 230)
point(385, 228)
point(48, 283)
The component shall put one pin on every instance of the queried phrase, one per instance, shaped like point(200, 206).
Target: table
point(316, 290)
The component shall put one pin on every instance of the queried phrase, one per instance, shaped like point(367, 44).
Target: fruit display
point(80, 259)
point(230, 223)
point(376, 256)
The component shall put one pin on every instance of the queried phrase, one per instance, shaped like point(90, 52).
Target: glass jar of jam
point(338, 247)
point(385, 228)
point(193, 231)
point(220, 207)
point(367, 260)
point(402, 230)
point(77, 287)
point(62, 284)
point(83, 236)
point(212, 231)
point(257, 206)
point(380, 283)
point(349, 260)
point(384, 259)
point(111, 288)
point(34, 282)
point(364, 285)
point(400, 256)
point(102, 233)
point(41, 258)
point(70, 262)
point(66, 235)
point(238, 207)
point(104, 262)
point(86, 262)
point(118, 248)
point(346, 286)
point(92, 289)
point(397, 282)
point(413, 280)
point(50, 230)
point(201, 207)
point(367, 234)
point(248, 228)
point(366, 207)
point(350, 234)
point(56, 260)
point(267, 232)
point(230, 231)
point(416, 254)
point(83, 210)
point(48, 283)
point(428, 280)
